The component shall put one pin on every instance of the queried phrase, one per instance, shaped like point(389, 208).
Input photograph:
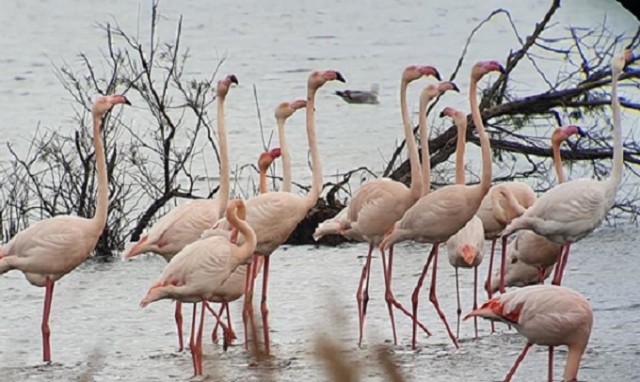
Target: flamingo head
point(468, 254)
point(238, 207)
point(483, 67)
point(459, 118)
point(432, 91)
point(318, 78)
point(619, 61)
point(104, 103)
point(561, 134)
point(267, 158)
point(224, 84)
point(286, 109)
point(414, 72)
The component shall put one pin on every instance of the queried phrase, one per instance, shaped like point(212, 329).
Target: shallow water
point(95, 309)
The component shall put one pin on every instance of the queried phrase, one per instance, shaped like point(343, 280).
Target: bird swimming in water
point(360, 96)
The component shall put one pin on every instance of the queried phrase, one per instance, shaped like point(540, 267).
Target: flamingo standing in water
point(184, 224)
point(571, 211)
point(440, 214)
point(518, 274)
point(495, 219)
point(465, 249)
point(233, 288)
point(529, 247)
point(51, 248)
point(200, 269)
point(546, 315)
point(274, 215)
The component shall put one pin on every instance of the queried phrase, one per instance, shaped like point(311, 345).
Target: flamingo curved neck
point(557, 161)
point(263, 180)
point(417, 180)
point(247, 248)
point(485, 145)
point(316, 185)
point(424, 147)
point(100, 217)
point(460, 147)
point(223, 196)
point(285, 157)
point(618, 162)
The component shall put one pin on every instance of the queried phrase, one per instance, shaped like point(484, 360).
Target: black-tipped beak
point(234, 79)
point(454, 87)
point(501, 69)
point(581, 132)
point(126, 101)
point(442, 114)
point(437, 74)
point(340, 78)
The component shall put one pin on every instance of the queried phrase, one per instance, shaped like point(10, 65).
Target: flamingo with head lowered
point(184, 224)
point(51, 248)
point(274, 215)
point(439, 215)
point(571, 211)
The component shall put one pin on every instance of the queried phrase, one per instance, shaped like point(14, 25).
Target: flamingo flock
point(215, 248)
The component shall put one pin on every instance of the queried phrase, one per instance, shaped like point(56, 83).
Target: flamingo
point(184, 224)
point(283, 112)
point(495, 218)
point(518, 274)
point(334, 226)
point(200, 269)
point(232, 289)
point(377, 204)
point(529, 247)
point(274, 215)
point(51, 248)
point(545, 315)
point(571, 211)
point(465, 249)
point(439, 215)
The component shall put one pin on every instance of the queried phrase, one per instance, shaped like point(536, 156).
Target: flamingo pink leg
point(253, 274)
point(517, 363)
point(390, 298)
point(475, 298)
point(541, 275)
point(225, 329)
point(363, 297)
point(263, 305)
point(459, 310)
point(487, 285)
point(192, 342)
point(245, 308)
point(550, 363)
point(434, 299)
point(178, 317)
point(503, 265)
point(46, 332)
point(232, 333)
point(214, 333)
point(561, 264)
point(199, 341)
point(416, 293)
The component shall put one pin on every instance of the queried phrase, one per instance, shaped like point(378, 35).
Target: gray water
point(274, 45)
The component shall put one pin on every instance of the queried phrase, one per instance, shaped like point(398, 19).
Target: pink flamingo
point(529, 247)
point(465, 249)
point(232, 289)
point(200, 269)
point(439, 215)
point(283, 112)
point(51, 248)
point(334, 226)
point(571, 211)
point(545, 315)
point(495, 219)
point(184, 224)
point(274, 215)
point(377, 204)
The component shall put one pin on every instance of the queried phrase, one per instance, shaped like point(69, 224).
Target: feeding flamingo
point(274, 215)
point(545, 315)
point(232, 289)
point(377, 204)
point(570, 211)
point(51, 248)
point(439, 215)
point(195, 273)
point(518, 274)
point(184, 224)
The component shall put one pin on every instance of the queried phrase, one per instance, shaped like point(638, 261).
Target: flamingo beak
point(232, 78)
point(483, 312)
point(275, 153)
point(454, 87)
point(468, 254)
